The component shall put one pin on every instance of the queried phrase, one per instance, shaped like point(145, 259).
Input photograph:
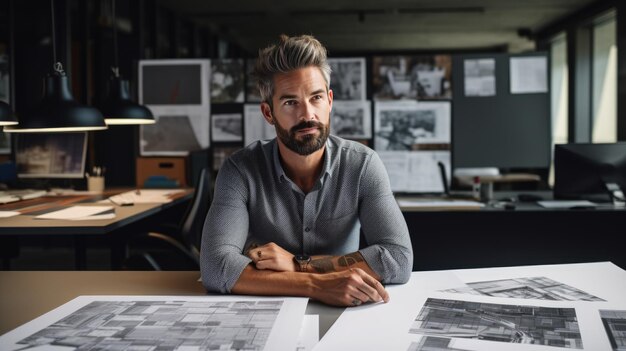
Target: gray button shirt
point(255, 202)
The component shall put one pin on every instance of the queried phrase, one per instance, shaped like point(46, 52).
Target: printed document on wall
point(529, 74)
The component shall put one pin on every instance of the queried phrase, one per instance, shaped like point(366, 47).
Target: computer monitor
point(583, 171)
point(55, 155)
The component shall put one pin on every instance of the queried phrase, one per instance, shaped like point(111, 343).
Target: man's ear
point(330, 99)
point(267, 112)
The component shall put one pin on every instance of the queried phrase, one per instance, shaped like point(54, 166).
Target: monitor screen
point(60, 155)
point(581, 171)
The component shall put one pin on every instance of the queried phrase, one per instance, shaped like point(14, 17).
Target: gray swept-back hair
point(289, 54)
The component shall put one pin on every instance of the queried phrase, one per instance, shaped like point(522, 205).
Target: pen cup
point(95, 184)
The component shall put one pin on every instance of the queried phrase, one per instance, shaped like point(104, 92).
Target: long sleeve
point(389, 252)
point(225, 232)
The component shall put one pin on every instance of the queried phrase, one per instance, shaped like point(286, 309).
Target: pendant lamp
point(58, 111)
point(6, 115)
point(118, 107)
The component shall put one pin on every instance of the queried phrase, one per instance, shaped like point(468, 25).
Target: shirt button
point(307, 229)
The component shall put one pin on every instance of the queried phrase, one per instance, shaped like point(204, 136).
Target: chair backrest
point(191, 227)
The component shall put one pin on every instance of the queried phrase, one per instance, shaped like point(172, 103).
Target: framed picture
point(352, 119)
point(227, 81)
point(347, 79)
point(226, 127)
point(405, 125)
point(51, 155)
point(177, 93)
point(412, 77)
point(252, 92)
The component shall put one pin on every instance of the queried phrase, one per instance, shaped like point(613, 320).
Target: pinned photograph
point(412, 77)
point(227, 127)
point(347, 79)
point(480, 77)
point(351, 119)
point(403, 126)
point(227, 81)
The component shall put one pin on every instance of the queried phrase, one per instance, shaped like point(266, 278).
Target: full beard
point(306, 144)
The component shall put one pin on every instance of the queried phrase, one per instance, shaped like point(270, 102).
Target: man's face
point(301, 112)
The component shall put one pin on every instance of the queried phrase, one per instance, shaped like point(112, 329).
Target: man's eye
point(290, 102)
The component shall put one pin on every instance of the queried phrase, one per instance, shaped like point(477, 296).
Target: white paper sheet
point(386, 326)
point(75, 212)
point(529, 74)
point(145, 196)
point(566, 203)
point(309, 334)
point(415, 171)
point(173, 317)
point(7, 214)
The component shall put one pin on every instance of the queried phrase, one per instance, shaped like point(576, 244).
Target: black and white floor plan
point(495, 322)
point(526, 288)
point(166, 325)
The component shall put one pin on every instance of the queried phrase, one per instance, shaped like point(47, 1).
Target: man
point(287, 212)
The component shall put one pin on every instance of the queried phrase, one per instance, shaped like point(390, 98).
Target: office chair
point(158, 251)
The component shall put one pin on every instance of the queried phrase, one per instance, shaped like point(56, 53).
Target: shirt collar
point(328, 155)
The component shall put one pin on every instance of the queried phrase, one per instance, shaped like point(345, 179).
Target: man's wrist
point(302, 262)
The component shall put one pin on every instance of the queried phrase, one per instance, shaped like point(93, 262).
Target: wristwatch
point(302, 262)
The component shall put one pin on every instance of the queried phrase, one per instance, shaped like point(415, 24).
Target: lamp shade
point(6, 115)
point(118, 108)
point(58, 111)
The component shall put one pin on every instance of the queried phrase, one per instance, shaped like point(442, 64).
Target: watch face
point(302, 258)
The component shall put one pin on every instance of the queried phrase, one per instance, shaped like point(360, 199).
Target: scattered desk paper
point(7, 214)
point(309, 333)
point(420, 316)
point(160, 322)
point(439, 204)
point(75, 212)
point(566, 203)
point(145, 196)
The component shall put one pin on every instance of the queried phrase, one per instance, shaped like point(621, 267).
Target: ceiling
point(380, 25)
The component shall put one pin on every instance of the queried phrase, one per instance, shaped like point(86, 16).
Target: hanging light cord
point(58, 67)
point(115, 69)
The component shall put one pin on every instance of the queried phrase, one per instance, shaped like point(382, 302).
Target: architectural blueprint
point(164, 323)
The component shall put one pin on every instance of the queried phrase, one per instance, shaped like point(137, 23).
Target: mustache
point(306, 125)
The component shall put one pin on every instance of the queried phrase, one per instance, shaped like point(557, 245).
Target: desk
point(112, 229)
point(27, 295)
point(527, 235)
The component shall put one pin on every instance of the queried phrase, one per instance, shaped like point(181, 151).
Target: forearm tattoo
point(325, 264)
point(350, 259)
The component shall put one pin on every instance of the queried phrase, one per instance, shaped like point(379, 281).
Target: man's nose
point(307, 112)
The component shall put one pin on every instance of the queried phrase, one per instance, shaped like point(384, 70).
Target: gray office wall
point(506, 130)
